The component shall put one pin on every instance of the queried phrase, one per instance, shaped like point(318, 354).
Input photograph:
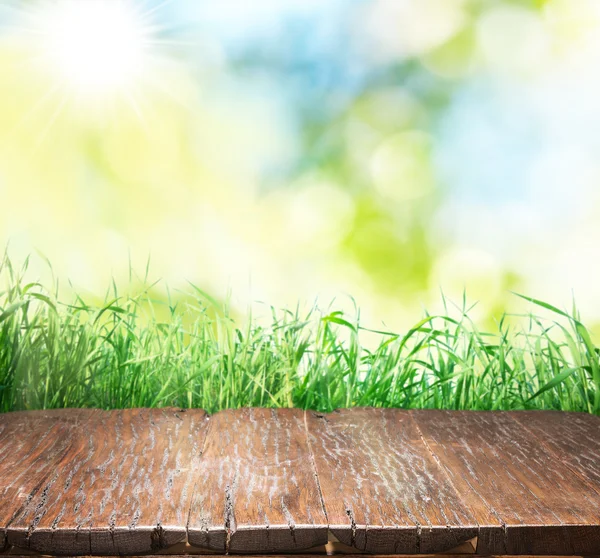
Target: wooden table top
point(91, 482)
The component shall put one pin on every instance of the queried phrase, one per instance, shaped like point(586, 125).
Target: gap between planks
point(41, 534)
point(229, 528)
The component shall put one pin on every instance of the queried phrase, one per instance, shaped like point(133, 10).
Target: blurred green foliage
point(382, 148)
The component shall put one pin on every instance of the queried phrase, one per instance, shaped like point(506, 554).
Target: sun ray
point(37, 106)
point(99, 47)
point(45, 100)
point(135, 105)
point(20, 9)
point(144, 16)
point(20, 29)
point(96, 56)
point(42, 136)
point(157, 85)
point(171, 42)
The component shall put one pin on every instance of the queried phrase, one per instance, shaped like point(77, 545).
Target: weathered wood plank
point(311, 555)
point(95, 482)
point(500, 469)
point(573, 437)
point(123, 487)
point(259, 491)
point(382, 490)
point(32, 444)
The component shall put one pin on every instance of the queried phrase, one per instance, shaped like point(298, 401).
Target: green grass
point(122, 353)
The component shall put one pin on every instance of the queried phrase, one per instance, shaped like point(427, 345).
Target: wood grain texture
point(32, 444)
point(258, 489)
point(309, 555)
point(124, 486)
point(574, 438)
point(503, 471)
point(90, 482)
point(382, 490)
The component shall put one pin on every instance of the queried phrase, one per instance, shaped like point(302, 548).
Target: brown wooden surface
point(305, 555)
point(90, 482)
point(499, 467)
point(573, 437)
point(259, 492)
point(383, 491)
point(310, 555)
point(124, 486)
point(32, 444)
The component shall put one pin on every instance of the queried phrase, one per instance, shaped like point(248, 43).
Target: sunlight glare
point(98, 46)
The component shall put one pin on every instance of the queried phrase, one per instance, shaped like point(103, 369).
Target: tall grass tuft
point(119, 354)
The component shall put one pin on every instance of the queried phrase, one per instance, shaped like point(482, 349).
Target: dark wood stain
point(257, 490)
point(501, 469)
